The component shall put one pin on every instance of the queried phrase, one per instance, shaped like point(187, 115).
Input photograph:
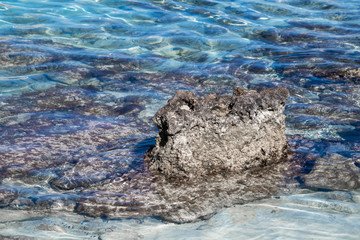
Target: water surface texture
point(81, 79)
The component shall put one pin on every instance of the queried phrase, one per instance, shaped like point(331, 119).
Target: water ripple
point(87, 75)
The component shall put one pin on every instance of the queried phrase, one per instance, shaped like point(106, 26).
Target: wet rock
point(268, 35)
point(238, 154)
point(190, 202)
point(68, 136)
point(17, 237)
point(333, 172)
point(82, 162)
point(219, 134)
point(346, 73)
point(328, 73)
point(7, 195)
point(318, 5)
point(142, 193)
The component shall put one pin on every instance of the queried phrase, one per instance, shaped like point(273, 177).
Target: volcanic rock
point(96, 166)
point(211, 152)
point(333, 172)
point(201, 136)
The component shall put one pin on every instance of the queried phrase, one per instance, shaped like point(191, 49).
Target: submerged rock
point(144, 193)
point(66, 149)
point(333, 172)
point(100, 157)
point(211, 152)
point(219, 134)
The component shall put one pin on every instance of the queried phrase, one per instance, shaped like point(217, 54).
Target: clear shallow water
point(105, 67)
point(308, 215)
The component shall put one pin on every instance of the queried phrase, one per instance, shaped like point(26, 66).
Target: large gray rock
point(211, 152)
point(201, 136)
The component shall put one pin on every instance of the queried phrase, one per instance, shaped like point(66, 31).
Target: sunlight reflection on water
point(104, 67)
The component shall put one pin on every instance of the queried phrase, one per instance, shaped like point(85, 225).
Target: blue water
point(65, 66)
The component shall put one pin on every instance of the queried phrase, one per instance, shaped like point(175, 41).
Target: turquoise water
point(81, 79)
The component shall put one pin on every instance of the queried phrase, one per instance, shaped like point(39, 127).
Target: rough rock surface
point(69, 149)
point(341, 174)
point(219, 134)
point(211, 152)
point(144, 193)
